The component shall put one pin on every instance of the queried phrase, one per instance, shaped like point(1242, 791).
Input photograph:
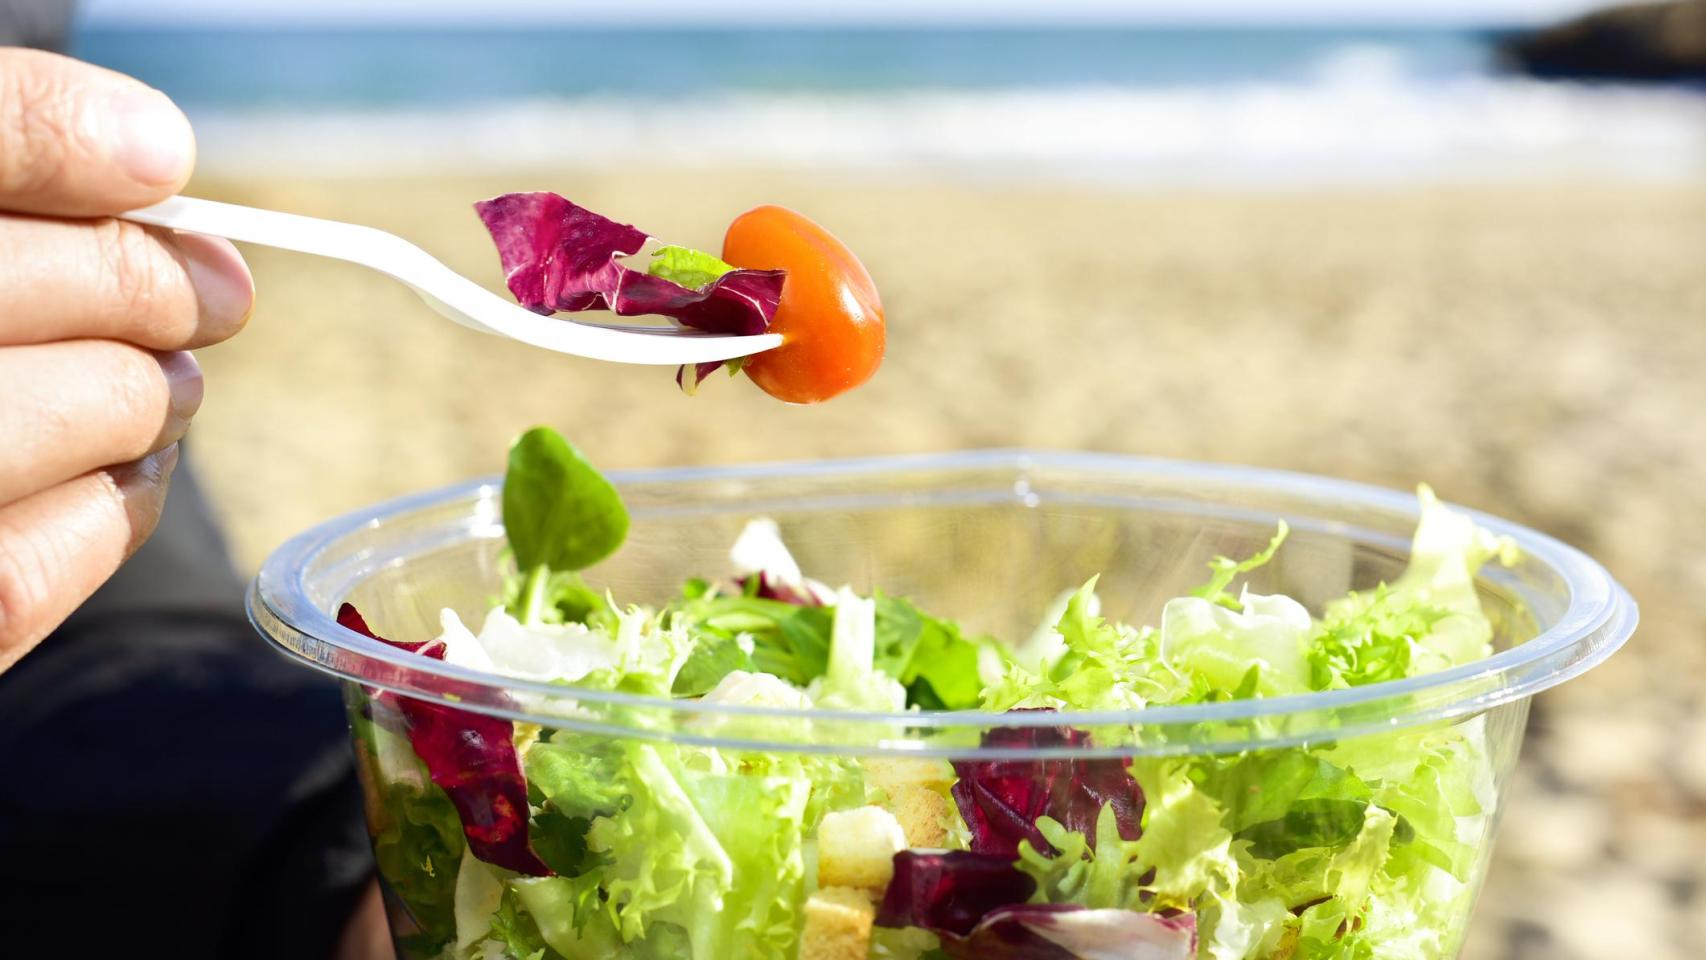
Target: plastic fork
point(445, 290)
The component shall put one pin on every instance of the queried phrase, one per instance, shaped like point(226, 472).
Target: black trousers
point(169, 785)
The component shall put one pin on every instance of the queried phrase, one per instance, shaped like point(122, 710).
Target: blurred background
point(1460, 242)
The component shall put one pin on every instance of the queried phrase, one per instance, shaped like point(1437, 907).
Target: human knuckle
point(38, 129)
point(136, 271)
point(26, 558)
point(138, 392)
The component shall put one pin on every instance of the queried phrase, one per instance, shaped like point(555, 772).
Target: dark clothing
point(169, 785)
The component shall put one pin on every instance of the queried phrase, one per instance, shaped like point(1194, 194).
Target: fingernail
point(183, 378)
point(148, 471)
point(152, 138)
point(223, 285)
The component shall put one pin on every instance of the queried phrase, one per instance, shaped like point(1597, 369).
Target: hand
point(96, 316)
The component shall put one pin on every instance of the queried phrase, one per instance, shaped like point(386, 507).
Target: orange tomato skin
point(830, 317)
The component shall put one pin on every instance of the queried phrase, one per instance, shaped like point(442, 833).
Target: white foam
point(1359, 119)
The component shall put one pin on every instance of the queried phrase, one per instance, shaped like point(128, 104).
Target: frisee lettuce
point(1360, 849)
point(1366, 849)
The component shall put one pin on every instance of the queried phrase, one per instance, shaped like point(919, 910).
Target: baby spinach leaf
point(559, 512)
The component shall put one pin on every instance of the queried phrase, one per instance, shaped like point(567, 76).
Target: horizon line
point(263, 24)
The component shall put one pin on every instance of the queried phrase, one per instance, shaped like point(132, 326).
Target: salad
point(779, 273)
point(500, 839)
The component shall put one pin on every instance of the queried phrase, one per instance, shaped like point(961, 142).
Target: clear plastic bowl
point(989, 539)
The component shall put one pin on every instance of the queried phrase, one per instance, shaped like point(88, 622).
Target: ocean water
point(1140, 105)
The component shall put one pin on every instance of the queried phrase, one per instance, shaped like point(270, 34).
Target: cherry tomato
point(830, 318)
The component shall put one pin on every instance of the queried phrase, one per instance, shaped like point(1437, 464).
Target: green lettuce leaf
point(1369, 637)
point(651, 649)
point(1224, 570)
point(556, 598)
point(719, 855)
point(479, 895)
point(1280, 801)
point(575, 773)
point(1107, 876)
point(1098, 666)
point(1185, 840)
point(571, 779)
point(930, 656)
point(1433, 778)
point(712, 659)
point(1261, 648)
point(517, 931)
point(566, 913)
point(785, 640)
point(416, 831)
point(1237, 927)
point(690, 268)
point(851, 680)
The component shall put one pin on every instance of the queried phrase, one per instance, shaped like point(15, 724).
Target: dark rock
point(1647, 41)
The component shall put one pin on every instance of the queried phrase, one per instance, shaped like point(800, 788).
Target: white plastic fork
point(445, 290)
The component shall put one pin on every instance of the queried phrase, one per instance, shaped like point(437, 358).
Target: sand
point(1535, 351)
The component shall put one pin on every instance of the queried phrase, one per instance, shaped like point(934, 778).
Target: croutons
point(923, 815)
point(838, 925)
point(887, 773)
point(856, 848)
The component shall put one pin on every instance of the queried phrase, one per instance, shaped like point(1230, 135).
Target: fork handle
point(370, 247)
point(270, 228)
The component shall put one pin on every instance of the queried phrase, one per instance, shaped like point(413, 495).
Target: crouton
point(856, 848)
point(923, 815)
point(887, 773)
point(838, 925)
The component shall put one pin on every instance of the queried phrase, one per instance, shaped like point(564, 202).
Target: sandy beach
point(1538, 352)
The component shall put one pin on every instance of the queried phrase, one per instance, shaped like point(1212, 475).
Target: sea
point(1127, 104)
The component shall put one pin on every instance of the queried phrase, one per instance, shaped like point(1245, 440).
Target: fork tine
point(469, 303)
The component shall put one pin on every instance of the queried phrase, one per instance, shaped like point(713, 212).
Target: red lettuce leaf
point(1001, 800)
point(558, 256)
point(975, 902)
point(769, 588)
point(700, 372)
point(350, 618)
point(1071, 932)
point(949, 891)
point(472, 758)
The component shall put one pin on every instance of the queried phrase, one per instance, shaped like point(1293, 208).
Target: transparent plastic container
point(989, 539)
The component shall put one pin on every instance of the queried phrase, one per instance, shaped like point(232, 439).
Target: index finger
point(77, 140)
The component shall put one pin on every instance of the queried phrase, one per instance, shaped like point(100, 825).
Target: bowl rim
point(1599, 617)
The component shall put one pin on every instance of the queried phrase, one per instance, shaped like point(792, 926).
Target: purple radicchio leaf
point(690, 386)
point(1071, 932)
point(1001, 800)
point(472, 758)
point(558, 256)
point(948, 891)
point(769, 587)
